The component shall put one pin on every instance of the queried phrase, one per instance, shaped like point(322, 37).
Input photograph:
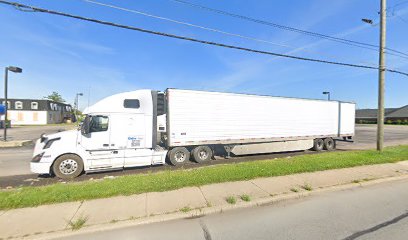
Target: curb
point(197, 213)
point(13, 144)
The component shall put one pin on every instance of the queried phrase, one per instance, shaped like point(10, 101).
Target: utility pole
point(381, 78)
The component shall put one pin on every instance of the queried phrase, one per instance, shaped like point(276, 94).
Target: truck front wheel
point(202, 154)
point(179, 156)
point(68, 166)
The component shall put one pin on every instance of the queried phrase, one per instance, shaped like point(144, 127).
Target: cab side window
point(99, 124)
point(131, 103)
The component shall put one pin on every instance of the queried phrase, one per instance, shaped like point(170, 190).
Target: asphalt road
point(15, 171)
point(15, 161)
point(377, 212)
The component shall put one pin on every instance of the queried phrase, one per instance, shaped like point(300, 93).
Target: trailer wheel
point(68, 166)
point(318, 144)
point(202, 154)
point(179, 156)
point(329, 144)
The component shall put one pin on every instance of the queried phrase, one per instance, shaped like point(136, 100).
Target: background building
point(37, 111)
point(398, 116)
point(392, 115)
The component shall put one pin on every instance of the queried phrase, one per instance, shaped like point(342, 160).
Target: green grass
point(294, 190)
point(77, 224)
point(185, 209)
point(245, 198)
point(175, 179)
point(231, 200)
point(307, 187)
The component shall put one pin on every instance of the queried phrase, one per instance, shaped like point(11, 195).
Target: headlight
point(50, 142)
point(37, 157)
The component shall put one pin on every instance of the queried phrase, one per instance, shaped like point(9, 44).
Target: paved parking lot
point(14, 162)
point(366, 136)
point(33, 132)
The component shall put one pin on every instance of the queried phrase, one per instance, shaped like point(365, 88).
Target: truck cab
point(118, 131)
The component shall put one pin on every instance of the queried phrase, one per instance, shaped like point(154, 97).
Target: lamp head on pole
point(15, 69)
point(369, 21)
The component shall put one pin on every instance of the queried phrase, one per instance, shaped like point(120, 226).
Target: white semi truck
point(145, 127)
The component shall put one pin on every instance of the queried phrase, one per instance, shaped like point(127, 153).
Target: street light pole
point(328, 95)
point(5, 103)
point(15, 70)
point(77, 100)
point(76, 105)
point(381, 79)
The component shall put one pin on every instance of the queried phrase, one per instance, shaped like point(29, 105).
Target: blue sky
point(70, 56)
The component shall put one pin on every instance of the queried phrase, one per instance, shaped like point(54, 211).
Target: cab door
point(96, 144)
point(137, 153)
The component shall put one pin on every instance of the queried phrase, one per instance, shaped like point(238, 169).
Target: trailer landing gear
point(228, 149)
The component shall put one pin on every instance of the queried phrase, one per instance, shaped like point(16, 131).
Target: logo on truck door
point(134, 141)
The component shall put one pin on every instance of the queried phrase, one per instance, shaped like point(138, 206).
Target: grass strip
point(174, 179)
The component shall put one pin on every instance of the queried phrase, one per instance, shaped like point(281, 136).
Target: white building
point(36, 111)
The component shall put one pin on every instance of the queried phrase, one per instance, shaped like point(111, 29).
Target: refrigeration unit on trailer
point(146, 127)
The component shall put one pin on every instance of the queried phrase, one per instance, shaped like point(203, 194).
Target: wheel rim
point(329, 144)
point(203, 154)
point(68, 166)
point(320, 144)
point(179, 156)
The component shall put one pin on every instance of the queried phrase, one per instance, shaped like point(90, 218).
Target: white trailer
point(146, 127)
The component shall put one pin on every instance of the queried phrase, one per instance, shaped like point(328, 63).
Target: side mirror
point(85, 128)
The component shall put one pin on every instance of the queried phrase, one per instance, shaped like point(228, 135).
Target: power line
point(197, 26)
point(186, 23)
point(287, 28)
point(396, 5)
point(36, 9)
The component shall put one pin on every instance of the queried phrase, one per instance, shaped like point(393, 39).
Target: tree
point(56, 97)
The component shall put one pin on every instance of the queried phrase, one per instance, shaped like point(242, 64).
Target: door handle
point(105, 145)
point(115, 152)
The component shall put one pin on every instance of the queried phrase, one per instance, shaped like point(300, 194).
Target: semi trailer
point(146, 127)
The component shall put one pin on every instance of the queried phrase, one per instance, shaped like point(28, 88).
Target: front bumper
point(40, 167)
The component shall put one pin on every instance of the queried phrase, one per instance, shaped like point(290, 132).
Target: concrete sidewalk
point(185, 202)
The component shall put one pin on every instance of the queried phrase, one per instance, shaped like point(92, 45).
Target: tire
point(202, 154)
point(68, 166)
point(329, 144)
point(318, 144)
point(178, 156)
